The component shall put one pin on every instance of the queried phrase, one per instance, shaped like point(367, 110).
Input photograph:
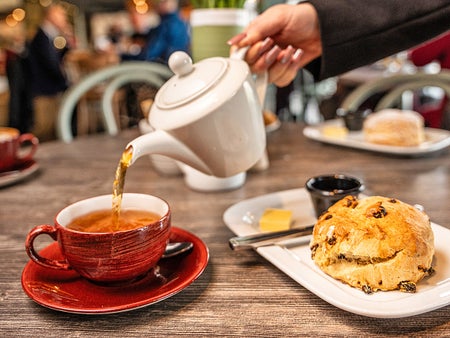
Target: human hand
point(281, 40)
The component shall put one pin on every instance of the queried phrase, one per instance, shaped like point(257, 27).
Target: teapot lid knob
point(180, 63)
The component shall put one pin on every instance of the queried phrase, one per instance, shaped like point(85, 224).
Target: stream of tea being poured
point(119, 182)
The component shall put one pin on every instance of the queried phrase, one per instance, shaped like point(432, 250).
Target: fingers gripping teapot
point(208, 115)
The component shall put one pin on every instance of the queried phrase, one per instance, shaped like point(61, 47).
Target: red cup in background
point(16, 148)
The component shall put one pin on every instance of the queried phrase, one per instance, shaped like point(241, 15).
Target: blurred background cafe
point(102, 34)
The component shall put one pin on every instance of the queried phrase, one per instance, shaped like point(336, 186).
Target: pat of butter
point(275, 220)
point(335, 132)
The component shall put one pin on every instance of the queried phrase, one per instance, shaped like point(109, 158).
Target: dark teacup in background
point(325, 190)
point(354, 120)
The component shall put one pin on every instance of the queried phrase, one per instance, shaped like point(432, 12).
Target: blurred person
point(334, 36)
point(170, 35)
point(115, 34)
point(48, 79)
point(20, 107)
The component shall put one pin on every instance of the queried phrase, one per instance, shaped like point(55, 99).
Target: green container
point(212, 28)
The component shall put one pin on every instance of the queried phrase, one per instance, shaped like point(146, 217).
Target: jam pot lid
point(195, 89)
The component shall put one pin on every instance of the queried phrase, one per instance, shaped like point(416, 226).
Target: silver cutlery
point(269, 238)
point(176, 248)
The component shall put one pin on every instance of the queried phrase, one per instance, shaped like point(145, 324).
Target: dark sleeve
point(359, 32)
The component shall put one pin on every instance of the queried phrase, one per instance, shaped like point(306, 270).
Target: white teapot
point(208, 116)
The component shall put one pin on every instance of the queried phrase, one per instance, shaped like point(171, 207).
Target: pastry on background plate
point(375, 243)
point(394, 127)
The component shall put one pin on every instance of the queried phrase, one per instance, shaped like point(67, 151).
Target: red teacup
point(11, 146)
point(106, 257)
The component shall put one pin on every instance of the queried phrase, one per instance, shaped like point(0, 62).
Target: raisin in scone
point(376, 243)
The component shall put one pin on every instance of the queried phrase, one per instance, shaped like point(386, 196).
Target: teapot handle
point(261, 80)
point(239, 53)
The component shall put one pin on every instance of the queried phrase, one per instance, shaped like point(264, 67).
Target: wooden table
point(240, 293)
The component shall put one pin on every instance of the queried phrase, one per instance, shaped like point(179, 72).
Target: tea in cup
point(326, 190)
point(12, 148)
point(101, 250)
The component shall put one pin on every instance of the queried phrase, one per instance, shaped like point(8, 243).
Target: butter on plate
point(275, 220)
point(335, 132)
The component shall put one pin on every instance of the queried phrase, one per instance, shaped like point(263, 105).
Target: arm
point(156, 44)
point(337, 35)
point(356, 32)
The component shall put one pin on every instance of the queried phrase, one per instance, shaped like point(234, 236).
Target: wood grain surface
point(239, 294)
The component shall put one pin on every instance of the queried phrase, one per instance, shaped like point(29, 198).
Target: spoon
point(176, 248)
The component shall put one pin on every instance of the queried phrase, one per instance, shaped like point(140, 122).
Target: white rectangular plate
point(435, 140)
point(293, 257)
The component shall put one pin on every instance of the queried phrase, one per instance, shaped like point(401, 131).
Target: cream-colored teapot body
point(208, 115)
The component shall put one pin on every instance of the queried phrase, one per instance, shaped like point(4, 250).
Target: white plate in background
point(435, 140)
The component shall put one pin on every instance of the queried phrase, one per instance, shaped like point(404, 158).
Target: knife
point(269, 238)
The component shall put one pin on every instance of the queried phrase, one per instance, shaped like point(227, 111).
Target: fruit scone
point(375, 243)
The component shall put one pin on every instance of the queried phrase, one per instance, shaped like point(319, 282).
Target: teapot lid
point(195, 89)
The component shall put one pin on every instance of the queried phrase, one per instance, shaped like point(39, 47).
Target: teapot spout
point(162, 143)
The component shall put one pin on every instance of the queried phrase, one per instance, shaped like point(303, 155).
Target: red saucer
point(68, 292)
point(18, 173)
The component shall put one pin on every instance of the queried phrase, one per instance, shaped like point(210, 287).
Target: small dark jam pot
point(325, 190)
point(353, 120)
